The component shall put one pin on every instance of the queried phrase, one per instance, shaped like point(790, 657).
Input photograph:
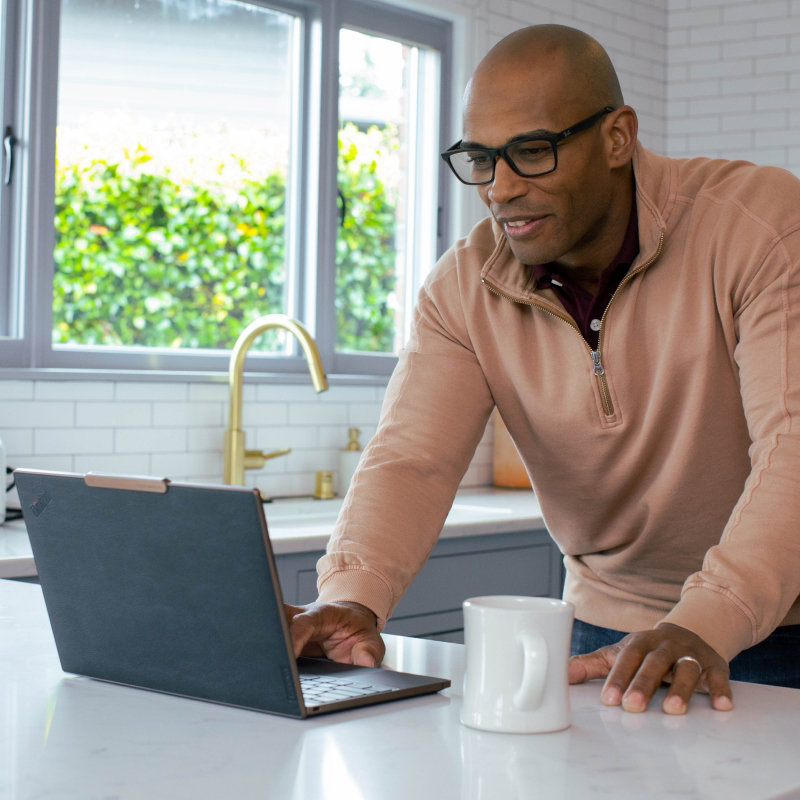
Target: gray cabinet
point(526, 562)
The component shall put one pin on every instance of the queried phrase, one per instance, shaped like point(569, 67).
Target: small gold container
point(324, 485)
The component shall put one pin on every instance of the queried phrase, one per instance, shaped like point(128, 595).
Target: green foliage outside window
point(365, 246)
point(145, 260)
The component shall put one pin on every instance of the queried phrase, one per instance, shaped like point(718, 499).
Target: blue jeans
point(775, 661)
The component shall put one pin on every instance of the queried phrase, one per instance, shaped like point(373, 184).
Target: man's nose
point(506, 184)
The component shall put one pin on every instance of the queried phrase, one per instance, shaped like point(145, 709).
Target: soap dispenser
point(348, 460)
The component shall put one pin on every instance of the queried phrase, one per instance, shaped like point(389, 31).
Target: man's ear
point(622, 127)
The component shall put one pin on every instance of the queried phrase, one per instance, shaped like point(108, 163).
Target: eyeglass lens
point(529, 157)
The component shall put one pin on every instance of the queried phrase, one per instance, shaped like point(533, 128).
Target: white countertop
point(73, 738)
point(305, 525)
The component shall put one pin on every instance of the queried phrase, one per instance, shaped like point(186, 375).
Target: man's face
point(559, 217)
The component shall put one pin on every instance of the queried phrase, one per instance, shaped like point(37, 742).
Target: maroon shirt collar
point(587, 309)
point(544, 273)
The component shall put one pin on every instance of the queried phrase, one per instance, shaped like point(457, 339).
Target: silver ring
point(692, 659)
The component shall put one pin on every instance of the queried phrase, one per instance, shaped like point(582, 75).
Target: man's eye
point(479, 160)
point(531, 151)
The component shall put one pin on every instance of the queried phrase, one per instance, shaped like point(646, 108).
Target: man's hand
point(637, 665)
point(346, 632)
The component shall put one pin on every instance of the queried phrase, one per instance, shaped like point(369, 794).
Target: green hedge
point(144, 260)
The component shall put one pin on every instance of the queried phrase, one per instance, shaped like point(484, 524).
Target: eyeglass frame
point(501, 152)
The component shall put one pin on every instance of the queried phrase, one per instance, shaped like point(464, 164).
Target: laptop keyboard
point(319, 689)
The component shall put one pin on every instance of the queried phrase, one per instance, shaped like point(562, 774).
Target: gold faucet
point(237, 458)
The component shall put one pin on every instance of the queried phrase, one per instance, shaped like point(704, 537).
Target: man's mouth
point(517, 228)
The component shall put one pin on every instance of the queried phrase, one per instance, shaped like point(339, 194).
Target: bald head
point(567, 64)
point(537, 83)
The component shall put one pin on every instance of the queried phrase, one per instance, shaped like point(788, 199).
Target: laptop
point(173, 587)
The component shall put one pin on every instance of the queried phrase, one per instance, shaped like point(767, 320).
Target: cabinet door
point(526, 562)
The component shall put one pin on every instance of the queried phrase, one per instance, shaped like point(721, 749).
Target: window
point(186, 172)
point(9, 303)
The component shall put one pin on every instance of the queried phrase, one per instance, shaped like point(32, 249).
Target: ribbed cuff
point(357, 585)
point(718, 620)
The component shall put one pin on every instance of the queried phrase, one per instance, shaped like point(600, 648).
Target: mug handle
point(534, 671)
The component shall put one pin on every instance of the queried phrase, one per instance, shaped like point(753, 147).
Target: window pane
point(174, 139)
point(388, 101)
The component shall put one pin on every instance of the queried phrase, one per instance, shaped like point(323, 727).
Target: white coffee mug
point(516, 663)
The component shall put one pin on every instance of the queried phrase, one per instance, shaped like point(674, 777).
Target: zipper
point(596, 355)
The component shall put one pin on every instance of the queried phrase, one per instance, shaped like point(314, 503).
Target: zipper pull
point(599, 370)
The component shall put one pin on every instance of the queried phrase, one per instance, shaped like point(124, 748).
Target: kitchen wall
point(733, 80)
point(708, 77)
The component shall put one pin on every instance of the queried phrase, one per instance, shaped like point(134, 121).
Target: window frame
point(30, 77)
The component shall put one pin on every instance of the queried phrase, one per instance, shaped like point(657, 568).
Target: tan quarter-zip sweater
point(666, 462)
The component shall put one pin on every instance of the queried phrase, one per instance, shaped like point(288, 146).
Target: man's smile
point(519, 227)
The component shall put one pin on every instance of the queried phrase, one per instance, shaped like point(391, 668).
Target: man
point(636, 321)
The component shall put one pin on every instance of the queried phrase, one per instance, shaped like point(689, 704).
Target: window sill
point(178, 376)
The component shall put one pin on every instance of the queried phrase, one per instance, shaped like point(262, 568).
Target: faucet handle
point(255, 459)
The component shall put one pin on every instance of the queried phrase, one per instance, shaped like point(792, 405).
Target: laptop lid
point(170, 587)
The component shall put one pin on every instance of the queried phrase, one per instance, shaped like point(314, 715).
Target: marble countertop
point(67, 737)
point(304, 525)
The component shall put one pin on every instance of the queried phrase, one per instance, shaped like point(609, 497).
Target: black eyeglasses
point(528, 156)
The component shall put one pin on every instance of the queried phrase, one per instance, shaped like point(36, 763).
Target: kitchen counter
point(67, 737)
point(304, 525)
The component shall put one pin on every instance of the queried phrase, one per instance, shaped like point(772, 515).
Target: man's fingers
point(636, 667)
point(301, 629)
point(686, 675)
point(591, 666)
point(719, 688)
point(345, 632)
point(368, 653)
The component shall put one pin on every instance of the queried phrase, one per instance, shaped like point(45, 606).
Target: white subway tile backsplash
point(151, 440)
point(686, 20)
point(270, 438)
point(49, 462)
point(317, 414)
point(254, 414)
point(721, 33)
point(755, 11)
point(37, 414)
point(186, 465)
point(115, 464)
point(777, 66)
point(113, 415)
point(64, 441)
point(779, 100)
point(191, 414)
point(693, 53)
point(754, 67)
point(204, 439)
point(719, 106)
point(730, 69)
point(209, 392)
point(73, 390)
point(779, 27)
point(690, 89)
point(363, 413)
point(16, 390)
point(729, 145)
point(756, 121)
point(772, 45)
point(151, 391)
point(17, 440)
point(694, 125)
point(775, 138)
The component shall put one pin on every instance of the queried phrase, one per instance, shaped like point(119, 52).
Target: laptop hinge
point(133, 483)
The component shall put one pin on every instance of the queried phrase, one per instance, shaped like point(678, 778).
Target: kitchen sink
point(306, 512)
